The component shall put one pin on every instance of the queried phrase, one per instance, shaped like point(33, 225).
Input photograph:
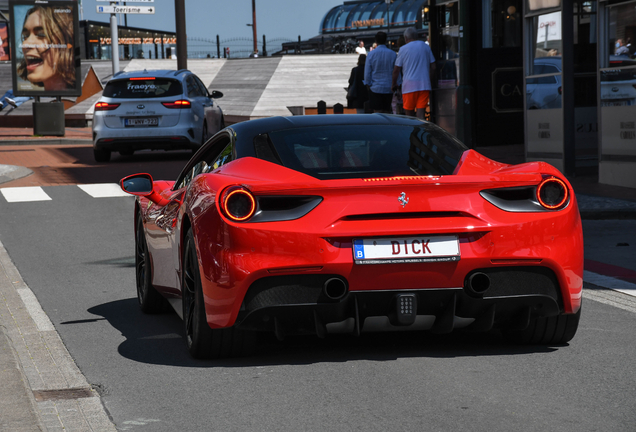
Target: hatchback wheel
point(101, 155)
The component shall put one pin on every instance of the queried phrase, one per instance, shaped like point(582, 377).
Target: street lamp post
point(254, 24)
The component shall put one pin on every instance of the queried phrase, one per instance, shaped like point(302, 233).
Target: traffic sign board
point(126, 9)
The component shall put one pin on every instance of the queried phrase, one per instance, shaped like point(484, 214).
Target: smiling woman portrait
point(47, 48)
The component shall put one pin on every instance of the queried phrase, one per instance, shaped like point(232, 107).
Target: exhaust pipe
point(477, 284)
point(335, 288)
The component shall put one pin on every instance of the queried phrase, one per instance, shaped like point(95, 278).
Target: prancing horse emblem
point(403, 199)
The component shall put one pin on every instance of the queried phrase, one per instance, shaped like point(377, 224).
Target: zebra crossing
point(37, 193)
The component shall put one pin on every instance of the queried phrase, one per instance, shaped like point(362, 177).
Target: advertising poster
point(44, 43)
point(4, 42)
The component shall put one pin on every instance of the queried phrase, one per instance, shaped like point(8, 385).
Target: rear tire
point(204, 342)
point(554, 330)
point(150, 301)
point(204, 134)
point(101, 155)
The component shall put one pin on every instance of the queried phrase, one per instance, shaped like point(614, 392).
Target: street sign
point(126, 9)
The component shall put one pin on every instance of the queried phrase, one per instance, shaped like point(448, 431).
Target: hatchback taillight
point(105, 106)
point(177, 104)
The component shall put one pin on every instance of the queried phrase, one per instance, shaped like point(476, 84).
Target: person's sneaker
point(11, 102)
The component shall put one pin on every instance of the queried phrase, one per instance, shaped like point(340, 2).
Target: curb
point(11, 172)
point(18, 408)
point(46, 141)
point(608, 214)
point(64, 400)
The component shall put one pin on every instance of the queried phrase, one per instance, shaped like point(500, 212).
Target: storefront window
point(502, 23)
point(342, 19)
point(622, 31)
point(378, 17)
point(354, 15)
point(585, 29)
point(448, 49)
point(534, 5)
point(547, 40)
point(330, 19)
point(618, 79)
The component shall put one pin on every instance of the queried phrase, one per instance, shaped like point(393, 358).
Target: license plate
point(148, 121)
point(406, 249)
point(617, 103)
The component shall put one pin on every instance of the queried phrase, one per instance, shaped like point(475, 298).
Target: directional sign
point(126, 9)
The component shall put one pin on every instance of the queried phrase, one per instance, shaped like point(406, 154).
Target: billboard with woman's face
point(44, 44)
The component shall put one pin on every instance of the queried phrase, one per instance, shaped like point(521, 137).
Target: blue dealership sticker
point(358, 249)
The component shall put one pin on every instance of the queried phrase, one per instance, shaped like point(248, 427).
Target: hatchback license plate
point(147, 121)
point(406, 249)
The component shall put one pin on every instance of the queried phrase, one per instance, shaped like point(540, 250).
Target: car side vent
point(283, 208)
point(515, 199)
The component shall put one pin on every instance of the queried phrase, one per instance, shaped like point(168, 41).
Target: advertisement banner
point(45, 46)
point(4, 42)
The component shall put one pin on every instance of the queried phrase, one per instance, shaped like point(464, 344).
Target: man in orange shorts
point(416, 63)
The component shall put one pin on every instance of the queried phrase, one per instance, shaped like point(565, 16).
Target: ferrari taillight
point(238, 204)
point(105, 106)
point(179, 104)
point(552, 193)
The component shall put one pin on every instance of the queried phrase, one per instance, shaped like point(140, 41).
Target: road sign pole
point(114, 41)
point(182, 45)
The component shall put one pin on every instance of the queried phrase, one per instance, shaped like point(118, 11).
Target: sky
point(228, 18)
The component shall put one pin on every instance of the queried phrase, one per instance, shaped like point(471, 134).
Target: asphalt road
point(75, 252)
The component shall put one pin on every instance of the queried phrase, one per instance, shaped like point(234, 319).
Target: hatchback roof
point(167, 73)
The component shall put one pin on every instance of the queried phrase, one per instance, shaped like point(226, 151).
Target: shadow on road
point(157, 339)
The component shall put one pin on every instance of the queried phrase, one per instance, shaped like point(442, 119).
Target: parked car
point(618, 86)
point(356, 223)
point(154, 109)
point(545, 92)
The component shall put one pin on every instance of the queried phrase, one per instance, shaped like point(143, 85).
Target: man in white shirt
point(417, 64)
point(361, 49)
point(377, 75)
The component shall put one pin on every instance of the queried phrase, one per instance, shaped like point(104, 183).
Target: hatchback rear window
point(142, 88)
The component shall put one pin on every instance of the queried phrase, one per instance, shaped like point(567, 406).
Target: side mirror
point(142, 185)
point(137, 184)
point(216, 94)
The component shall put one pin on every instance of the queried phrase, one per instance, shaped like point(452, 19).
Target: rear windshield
point(141, 89)
point(365, 151)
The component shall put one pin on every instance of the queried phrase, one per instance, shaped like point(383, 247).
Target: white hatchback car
point(154, 109)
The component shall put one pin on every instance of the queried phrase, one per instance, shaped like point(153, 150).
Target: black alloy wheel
point(150, 301)
point(204, 342)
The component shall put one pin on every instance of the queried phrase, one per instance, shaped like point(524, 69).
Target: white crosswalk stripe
point(103, 190)
point(25, 194)
point(36, 193)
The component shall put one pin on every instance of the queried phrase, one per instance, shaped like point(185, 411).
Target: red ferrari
point(356, 223)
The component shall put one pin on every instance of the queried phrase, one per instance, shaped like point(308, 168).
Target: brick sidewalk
point(15, 134)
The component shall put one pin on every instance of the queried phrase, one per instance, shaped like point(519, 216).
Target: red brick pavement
point(21, 133)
